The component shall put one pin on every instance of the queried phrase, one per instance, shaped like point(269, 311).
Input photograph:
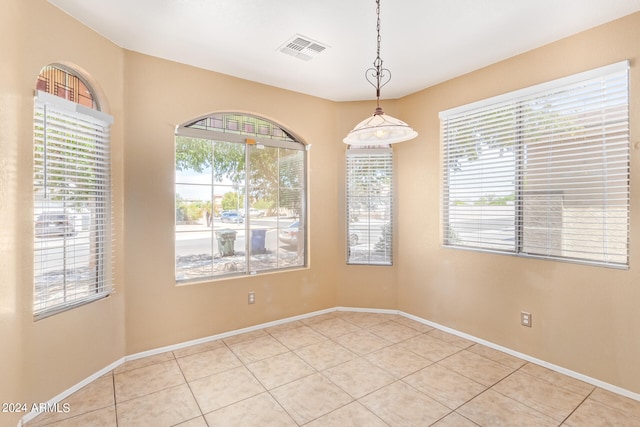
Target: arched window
point(240, 197)
point(72, 193)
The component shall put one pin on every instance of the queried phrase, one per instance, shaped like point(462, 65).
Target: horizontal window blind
point(72, 205)
point(542, 172)
point(369, 175)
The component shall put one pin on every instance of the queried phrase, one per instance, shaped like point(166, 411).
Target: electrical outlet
point(525, 319)
point(252, 298)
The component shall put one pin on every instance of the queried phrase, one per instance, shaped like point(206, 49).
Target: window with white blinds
point(72, 205)
point(369, 205)
point(542, 172)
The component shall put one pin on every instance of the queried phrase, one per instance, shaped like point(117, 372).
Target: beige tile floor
point(341, 369)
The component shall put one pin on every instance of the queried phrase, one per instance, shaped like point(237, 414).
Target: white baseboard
point(556, 368)
point(114, 365)
point(173, 347)
point(367, 310)
point(68, 392)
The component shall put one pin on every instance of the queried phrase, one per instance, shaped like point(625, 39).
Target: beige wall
point(584, 317)
point(40, 359)
point(161, 95)
point(363, 286)
point(11, 323)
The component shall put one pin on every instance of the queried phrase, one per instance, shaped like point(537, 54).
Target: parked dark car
point(51, 224)
point(231, 216)
point(289, 235)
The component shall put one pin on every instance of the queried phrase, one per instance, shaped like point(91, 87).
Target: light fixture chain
point(379, 76)
point(378, 29)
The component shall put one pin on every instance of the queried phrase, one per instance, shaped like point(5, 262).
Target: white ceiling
point(424, 42)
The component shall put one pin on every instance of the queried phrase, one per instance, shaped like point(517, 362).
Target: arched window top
point(241, 124)
point(67, 84)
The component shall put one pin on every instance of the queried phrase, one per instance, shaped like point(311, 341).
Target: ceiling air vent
point(302, 47)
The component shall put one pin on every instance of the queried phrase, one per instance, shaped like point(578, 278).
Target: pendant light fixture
point(379, 129)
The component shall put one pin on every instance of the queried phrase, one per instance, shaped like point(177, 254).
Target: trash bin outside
point(258, 241)
point(226, 241)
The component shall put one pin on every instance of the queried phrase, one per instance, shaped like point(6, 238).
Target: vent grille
point(302, 47)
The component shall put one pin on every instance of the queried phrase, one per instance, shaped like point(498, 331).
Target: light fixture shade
point(380, 129)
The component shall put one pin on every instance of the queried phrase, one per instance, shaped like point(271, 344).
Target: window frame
point(251, 138)
point(374, 159)
point(497, 106)
point(87, 176)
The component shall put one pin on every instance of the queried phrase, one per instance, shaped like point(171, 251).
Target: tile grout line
point(523, 403)
point(551, 385)
point(269, 390)
point(115, 401)
point(332, 382)
point(316, 372)
point(260, 382)
point(190, 391)
point(577, 406)
point(359, 356)
point(491, 387)
point(437, 362)
point(363, 357)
